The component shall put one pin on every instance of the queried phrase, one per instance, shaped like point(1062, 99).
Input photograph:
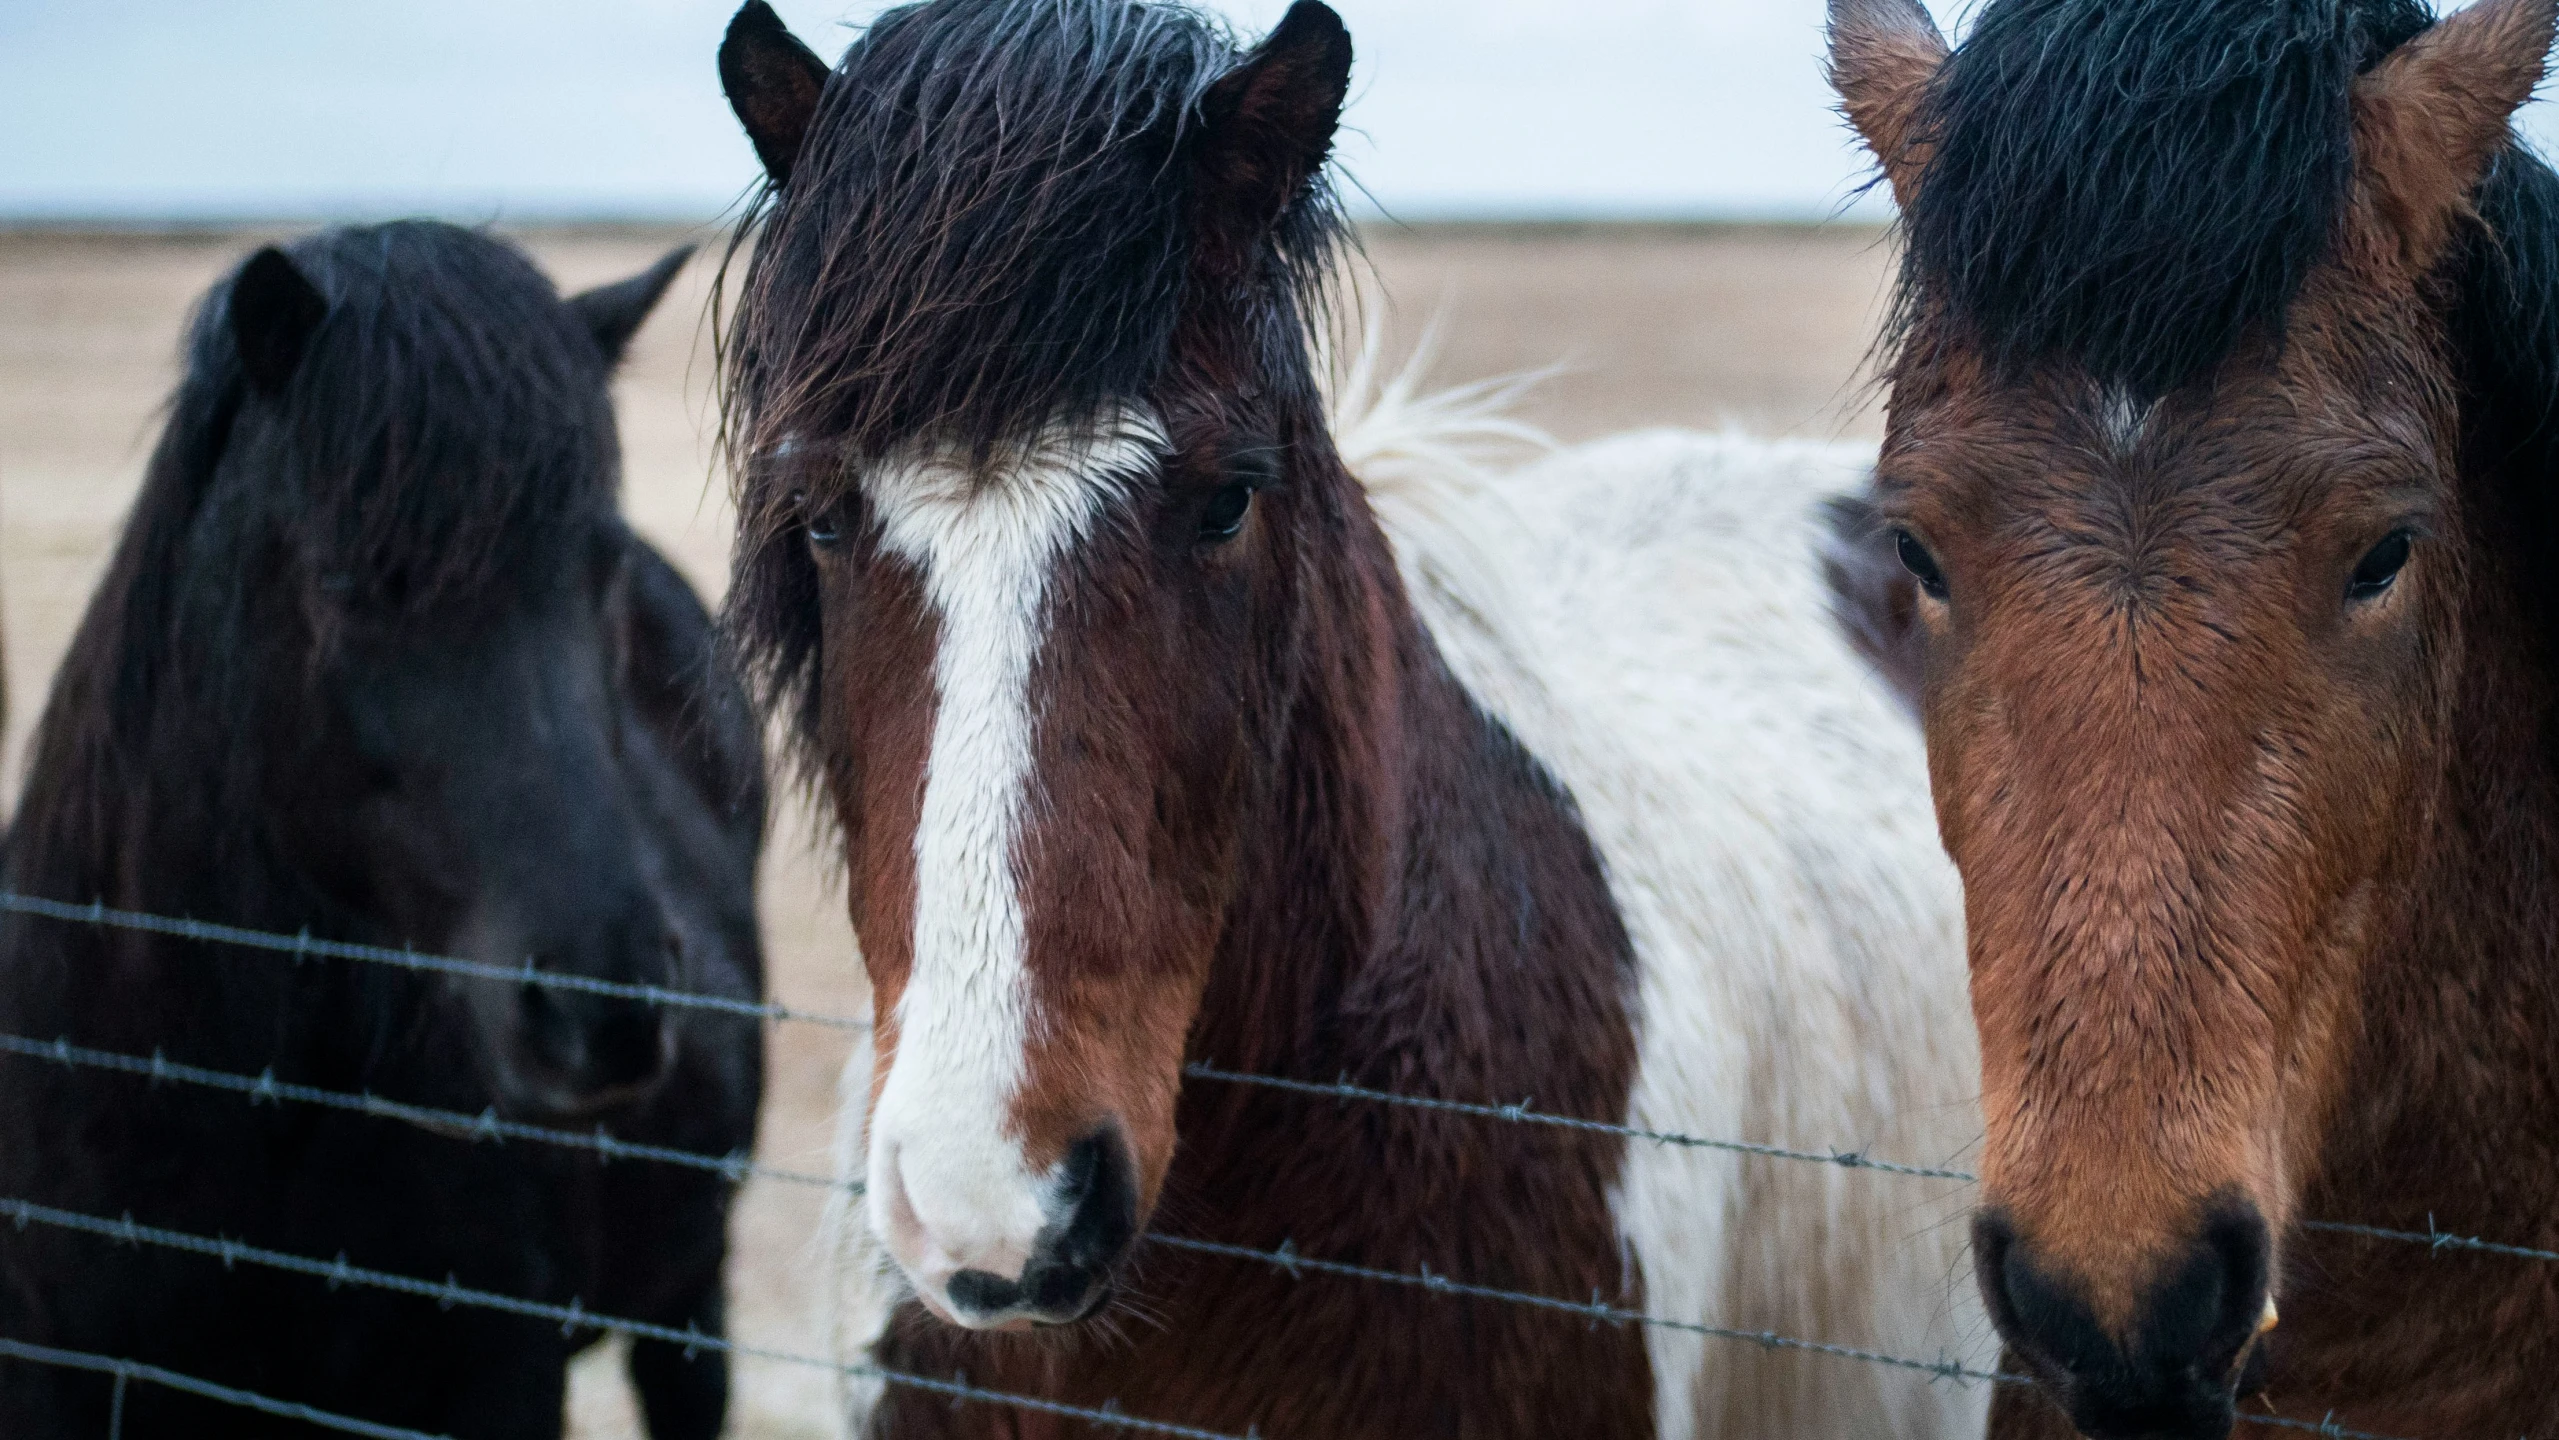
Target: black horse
point(378, 659)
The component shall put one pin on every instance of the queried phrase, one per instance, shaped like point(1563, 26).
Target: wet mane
point(988, 229)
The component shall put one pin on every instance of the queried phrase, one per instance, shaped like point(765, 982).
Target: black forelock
point(987, 226)
point(2135, 185)
point(447, 429)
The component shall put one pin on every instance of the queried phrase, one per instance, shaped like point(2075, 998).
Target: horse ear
point(274, 309)
point(773, 83)
point(613, 313)
point(1266, 126)
point(2428, 117)
point(1883, 54)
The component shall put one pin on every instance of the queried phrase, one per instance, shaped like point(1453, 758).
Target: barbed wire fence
point(487, 1127)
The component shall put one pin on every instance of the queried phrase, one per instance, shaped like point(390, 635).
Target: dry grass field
point(1761, 328)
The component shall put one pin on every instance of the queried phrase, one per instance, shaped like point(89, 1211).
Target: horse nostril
point(581, 1046)
point(2238, 1233)
point(627, 1044)
point(1097, 1203)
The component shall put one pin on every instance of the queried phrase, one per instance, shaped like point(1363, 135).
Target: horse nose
point(2171, 1369)
point(1091, 1213)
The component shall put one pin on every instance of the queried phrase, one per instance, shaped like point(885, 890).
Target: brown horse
point(1169, 720)
point(2221, 461)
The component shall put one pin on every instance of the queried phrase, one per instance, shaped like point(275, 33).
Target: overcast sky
point(480, 109)
point(530, 109)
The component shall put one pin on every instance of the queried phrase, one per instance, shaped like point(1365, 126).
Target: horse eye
point(825, 527)
point(2380, 566)
point(1224, 516)
point(1921, 565)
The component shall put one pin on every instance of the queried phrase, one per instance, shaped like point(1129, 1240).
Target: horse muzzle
point(976, 1275)
point(2172, 1368)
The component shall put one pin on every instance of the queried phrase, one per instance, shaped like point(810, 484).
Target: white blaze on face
point(950, 1188)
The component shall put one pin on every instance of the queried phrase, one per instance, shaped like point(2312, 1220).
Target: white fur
point(1647, 616)
point(951, 1189)
point(2126, 419)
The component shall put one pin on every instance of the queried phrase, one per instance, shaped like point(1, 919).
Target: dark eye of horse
point(1225, 513)
point(2380, 566)
point(1921, 565)
point(825, 527)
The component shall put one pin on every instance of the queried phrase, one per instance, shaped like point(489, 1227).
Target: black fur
point(2135, 188)
point(377, 658)
point(993, 223)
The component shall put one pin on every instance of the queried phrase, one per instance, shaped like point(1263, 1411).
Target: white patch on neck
point(958, 1193)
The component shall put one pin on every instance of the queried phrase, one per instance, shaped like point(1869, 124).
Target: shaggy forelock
point(448, 423)
point(985, 230)
point(2135, 187)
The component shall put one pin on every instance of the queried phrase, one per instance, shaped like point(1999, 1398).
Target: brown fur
point(2259, 885)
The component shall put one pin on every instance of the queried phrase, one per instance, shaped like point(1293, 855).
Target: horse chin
point(1017, 1322)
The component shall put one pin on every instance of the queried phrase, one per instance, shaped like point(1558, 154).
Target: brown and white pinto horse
point(1150, 744)
point(2221, 457)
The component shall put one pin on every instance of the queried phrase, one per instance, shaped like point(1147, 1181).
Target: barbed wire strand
point(2432, 1239)
point(305, 947)
point(571, 1317)
point(1525, 1113)
point(1522, 1112)
point(131, 1370)
point(454, 1124)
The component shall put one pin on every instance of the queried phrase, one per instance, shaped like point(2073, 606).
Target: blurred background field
point(1763, 327)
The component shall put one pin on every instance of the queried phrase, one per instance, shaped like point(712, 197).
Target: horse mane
point(443, 435)
point(988, 229)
